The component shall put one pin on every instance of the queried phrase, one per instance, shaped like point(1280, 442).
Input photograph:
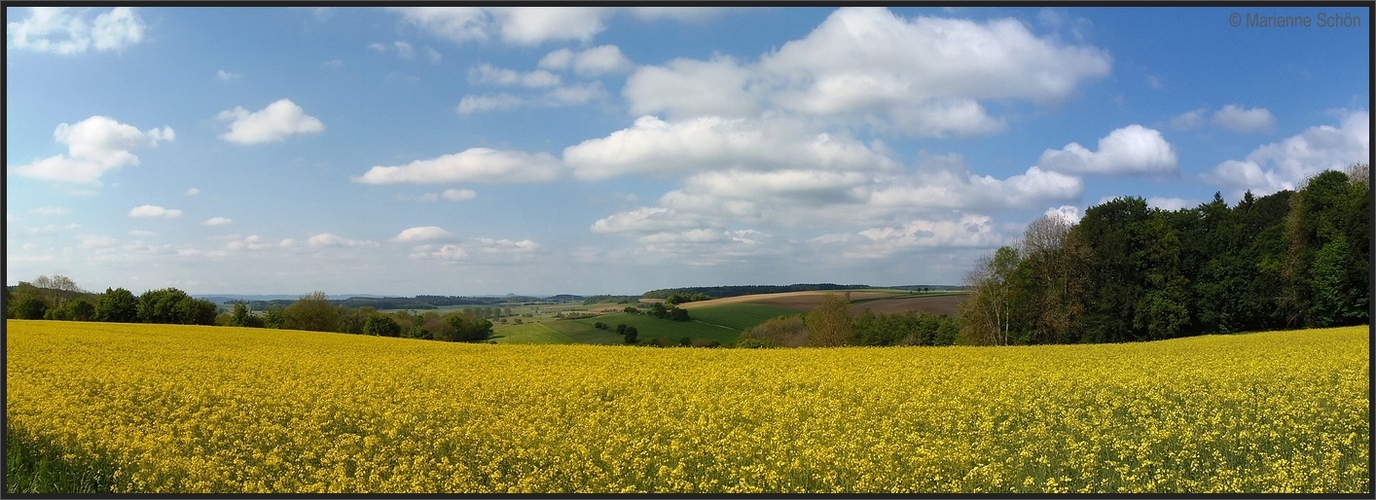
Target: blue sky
point(465, 151)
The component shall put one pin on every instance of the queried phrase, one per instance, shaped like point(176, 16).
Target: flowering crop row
point(161, 408)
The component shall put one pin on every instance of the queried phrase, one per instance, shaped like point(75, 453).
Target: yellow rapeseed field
point(156, 408)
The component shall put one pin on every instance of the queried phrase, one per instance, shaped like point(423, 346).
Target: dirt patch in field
point(946, 304)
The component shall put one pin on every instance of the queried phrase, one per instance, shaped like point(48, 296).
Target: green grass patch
point(35, 466)
point(739, 316)
point(530, 333)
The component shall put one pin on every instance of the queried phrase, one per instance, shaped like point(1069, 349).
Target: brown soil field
point(806, 301)
point(945, 304)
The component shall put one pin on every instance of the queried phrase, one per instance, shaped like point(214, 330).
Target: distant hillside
point(721, 292)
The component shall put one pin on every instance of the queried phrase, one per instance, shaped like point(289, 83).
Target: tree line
point(58, 298)
point(1127, 272)
point(832, 324)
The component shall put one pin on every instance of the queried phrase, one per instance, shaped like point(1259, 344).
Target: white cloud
point(688, 88)
point(69, 31)
point(955, 187)
point(505, 246)
point(513, 25)
point(922, 77)
point(225, 76)
point(457, 195)
point(94, 146)
point(687, 14)
point(193, 192)
point(271, 124)
point(654, 146)
point(423, 233)
point(154, 211)
point(1238, 119)
point(1170, 204)
point(434, 55)
point(1070, 214)
point(475, 103)
point(1133, 149)
point(472, 165)
point(218, 221)
point(1189, 119)
point(969, 231)
point(332, 63)
point(330, 240)
point(49, 211)
point(1285, 164)
point(402, 49)
point(487, 74)
point(252, 242)
point(575, 94)
point(591, 62)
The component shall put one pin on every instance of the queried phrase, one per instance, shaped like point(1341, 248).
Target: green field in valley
point(648, 327)
point(739, 316)
point(530, 333)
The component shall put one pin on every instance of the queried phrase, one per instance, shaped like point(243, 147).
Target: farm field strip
point(160, 408)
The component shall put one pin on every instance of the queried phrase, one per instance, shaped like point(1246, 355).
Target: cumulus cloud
point(330, 240)
point(590, 62)
point(1133, 149)
point(472, 165)
point(271, 124)
point(479, 246)
point(94, 146)
point(969, 231)
point(945, 183)
point(654, 146)
point(689, 87)
point(154, 211)
point(1239, 119)
point(71, 31)
point(921, 77)
point(513, 25)
point(1285, 164)
point(422, 233)
point(218, 221)
point(193, 192)
point(225, 76)
point(1070, 214)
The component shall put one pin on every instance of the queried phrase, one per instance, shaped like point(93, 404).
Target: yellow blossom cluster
point(162, 408)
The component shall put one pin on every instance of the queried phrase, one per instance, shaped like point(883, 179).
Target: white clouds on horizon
point(67, 31)
point(218, 221)
point(94, 146)
point(273, 123)
point(1287, 163)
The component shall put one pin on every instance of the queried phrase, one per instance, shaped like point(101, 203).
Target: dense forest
point(1126, 272)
